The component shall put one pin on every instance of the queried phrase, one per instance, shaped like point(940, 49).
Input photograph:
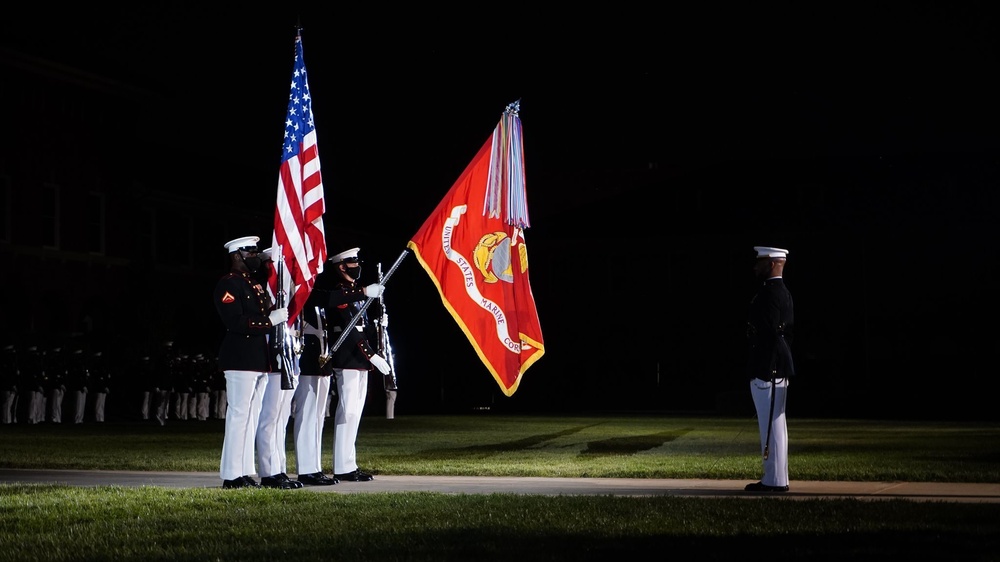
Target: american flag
point(298, 216)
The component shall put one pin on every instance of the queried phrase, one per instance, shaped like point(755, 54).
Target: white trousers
point(776, 463)
point(9, 406)
point(181, 400)
point(245, 390)
point(204, 402)
point(144, 400)
point(56, 404)
point(36, 408)
point(310, 415)
point(80, 406)
point(272, 427)
point(99, 400)
point(352, 391)
point(162, 405)
point(390, 404)
point(219, 402)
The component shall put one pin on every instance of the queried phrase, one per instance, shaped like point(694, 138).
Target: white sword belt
point(356, 327)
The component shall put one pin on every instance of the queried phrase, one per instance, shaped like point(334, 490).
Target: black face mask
point(253, 263)
point(353, 272)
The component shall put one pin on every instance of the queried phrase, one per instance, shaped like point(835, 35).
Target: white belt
point(310, 330)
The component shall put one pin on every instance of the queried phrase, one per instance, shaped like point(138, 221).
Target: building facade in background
point(100, 247)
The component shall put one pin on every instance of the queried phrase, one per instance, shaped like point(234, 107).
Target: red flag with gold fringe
point(473, 247)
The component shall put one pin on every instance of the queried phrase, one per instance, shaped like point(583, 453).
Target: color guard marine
point(352, 361)
point(245, 308)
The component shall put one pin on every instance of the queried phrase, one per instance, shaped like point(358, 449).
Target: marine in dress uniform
point(10, 376)
point(35, 382)
point(219, 400)
point(193, 376)
point(145, 372)
point(313, 389)
point(79, 384)
point(769, 365)
point(100, 372)
point(203, 386)
point(352, 360)
point(244, 307)
point(164, 367)
point(58, 374)
point(182, 386)
point(276, 407)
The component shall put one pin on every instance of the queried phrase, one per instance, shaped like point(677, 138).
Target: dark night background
point(661, 145)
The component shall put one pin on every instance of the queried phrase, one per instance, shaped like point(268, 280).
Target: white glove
point(384, 322)
point(380, 363)
point(278, 316)
point(374, 290)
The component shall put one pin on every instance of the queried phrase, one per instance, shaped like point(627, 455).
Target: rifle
point(384, 347)
point(287, 344)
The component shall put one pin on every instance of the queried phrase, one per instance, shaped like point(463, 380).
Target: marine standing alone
point(769, 365)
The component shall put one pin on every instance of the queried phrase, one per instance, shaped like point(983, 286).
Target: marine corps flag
point(473, 248)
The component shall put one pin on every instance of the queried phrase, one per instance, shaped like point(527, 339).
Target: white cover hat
point(268, 254)
point(346, 255)
point(241, 243)
point(768, 252)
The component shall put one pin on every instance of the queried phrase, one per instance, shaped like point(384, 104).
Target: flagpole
point(364, 307)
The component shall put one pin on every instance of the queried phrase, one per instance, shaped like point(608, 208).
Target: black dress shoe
point(294, 483)
point(241, 482)
point(762, 487)
point(250, 482)
point(355, 476)
point(317, 479)
point(279, 481)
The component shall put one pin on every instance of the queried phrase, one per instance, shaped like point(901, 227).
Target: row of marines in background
point(73, 384)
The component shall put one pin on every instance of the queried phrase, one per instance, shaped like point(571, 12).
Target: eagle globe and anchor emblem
point(492, 257)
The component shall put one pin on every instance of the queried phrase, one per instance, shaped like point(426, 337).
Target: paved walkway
point(916, 491)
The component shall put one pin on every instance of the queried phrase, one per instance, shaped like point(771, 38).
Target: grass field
point(62, 523)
